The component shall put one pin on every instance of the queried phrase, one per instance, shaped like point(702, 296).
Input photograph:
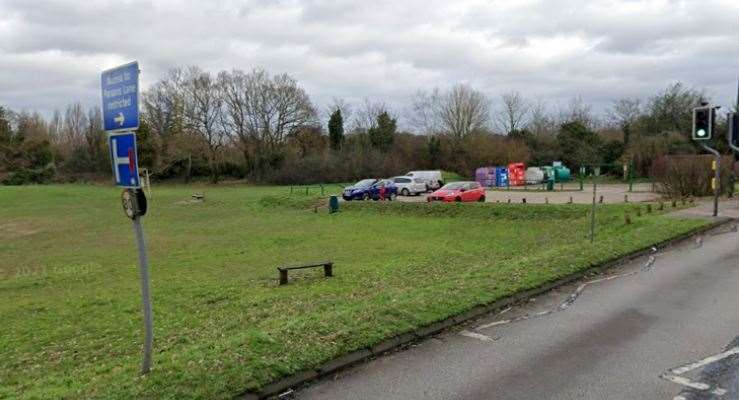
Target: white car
point(408, 186)
point(432, 179)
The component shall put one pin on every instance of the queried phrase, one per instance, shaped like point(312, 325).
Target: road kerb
point(433, 329)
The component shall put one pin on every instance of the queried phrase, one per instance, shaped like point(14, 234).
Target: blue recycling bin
point(501, 176)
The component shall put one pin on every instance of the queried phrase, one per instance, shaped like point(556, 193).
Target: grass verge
point(72, 324)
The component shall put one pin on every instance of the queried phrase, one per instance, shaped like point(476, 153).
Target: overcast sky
point(52, 52)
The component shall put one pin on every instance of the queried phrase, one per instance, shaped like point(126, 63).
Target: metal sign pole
point(717, 178)
point(592, 213)
point(146, 299)
point(120, 94)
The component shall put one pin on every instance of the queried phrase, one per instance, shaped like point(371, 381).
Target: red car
point(458, 191)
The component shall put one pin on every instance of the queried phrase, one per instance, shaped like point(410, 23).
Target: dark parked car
point(374, 189)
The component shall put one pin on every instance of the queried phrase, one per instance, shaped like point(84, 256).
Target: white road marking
point(705, 361)
point(681, 380)
point(568, 301)
point(673, 375)
point(501, 322)
point(477, 336)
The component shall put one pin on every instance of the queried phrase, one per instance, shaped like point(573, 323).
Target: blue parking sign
point(120, 90)
point(125, 160)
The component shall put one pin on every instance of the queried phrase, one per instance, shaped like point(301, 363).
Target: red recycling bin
point(517, 174)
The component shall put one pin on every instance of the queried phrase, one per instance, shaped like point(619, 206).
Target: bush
point(27, 176)
point(688, 175)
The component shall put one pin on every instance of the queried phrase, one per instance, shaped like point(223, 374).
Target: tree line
point(264, 128)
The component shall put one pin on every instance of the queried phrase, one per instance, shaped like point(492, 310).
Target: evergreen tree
point(336, 129)
point(382, 135)
point(579, 145)
point(434, 149)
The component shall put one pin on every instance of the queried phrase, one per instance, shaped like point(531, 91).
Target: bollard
point(570, 199)
point(627, 218)
point(524, 200)
point(626, 198)
point(638, 211)
point(546, 200)
point(661, 206)
point(674, 203)
point(649, 208)
point(509, 201)
point(600, 200)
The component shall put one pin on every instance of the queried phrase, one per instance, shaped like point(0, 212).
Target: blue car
point(371, 189)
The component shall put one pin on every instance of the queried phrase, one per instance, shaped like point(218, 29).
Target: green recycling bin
point(333, 204)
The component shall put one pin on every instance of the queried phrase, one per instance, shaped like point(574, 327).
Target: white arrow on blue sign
point(125, 160)
point(120, 89)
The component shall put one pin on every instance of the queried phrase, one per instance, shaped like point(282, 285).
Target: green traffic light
point(701, 132)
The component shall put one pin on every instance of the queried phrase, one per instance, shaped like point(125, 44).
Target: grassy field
point(69, 286)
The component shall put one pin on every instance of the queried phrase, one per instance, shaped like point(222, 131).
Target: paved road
point(621, 338)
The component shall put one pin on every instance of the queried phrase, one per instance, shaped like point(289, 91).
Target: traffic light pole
point(717, 177)
point(732, 134)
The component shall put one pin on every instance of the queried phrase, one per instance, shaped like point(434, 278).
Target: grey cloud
point(51, 52)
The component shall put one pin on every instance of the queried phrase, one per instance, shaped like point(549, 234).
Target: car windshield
point(365, 182)
point(455, 186)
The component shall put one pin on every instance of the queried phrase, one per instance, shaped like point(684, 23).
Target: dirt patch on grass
point(17, 229)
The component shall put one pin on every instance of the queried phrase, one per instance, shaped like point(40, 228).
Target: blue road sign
point(120, 88)
point(125, 160)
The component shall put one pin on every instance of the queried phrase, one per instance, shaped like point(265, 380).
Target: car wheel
point(391, 197)
point(458, 199)
point(405, 192)
point(347, 198)
point(481, 199)
point(366, 196)
point(428, 188)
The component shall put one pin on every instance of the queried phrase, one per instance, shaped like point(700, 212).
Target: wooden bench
point(327, 270)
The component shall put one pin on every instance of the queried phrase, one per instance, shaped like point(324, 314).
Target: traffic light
point(702, 123)
point(734, 128)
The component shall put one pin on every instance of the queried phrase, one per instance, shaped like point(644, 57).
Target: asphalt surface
point(626, 334)
point(611, 193)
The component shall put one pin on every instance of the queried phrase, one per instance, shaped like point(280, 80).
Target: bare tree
point(456, 112)
point(579, 111)
point(204, 114)
point(164, 114)
point(540, 120)
point(75, 122)
point(262, 110)
point(515, 110)
point(365, 116)
point(624, 113)
point(338, 103)
point(421, 114)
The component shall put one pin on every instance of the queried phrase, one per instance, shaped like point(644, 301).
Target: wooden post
point(283, 276)
point(328, 269)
